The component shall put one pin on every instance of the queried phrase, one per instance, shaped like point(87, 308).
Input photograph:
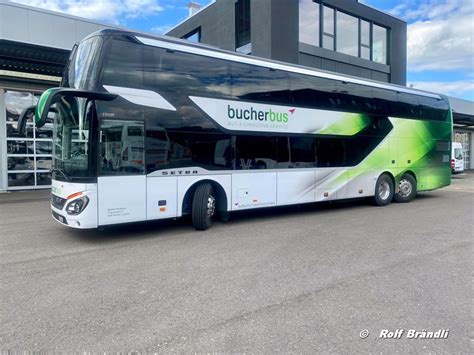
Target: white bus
point(170, 128)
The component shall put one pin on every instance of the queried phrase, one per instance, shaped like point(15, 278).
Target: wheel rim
point(211, 206)
point(384, 190)
point(405, 188)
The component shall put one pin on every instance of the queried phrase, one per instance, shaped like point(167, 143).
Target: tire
point(204, 206)
point(406, 189)
point(384, 190)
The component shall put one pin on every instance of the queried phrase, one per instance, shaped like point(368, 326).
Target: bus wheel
point(406, 189)
point(384, 190)
point(204, 206)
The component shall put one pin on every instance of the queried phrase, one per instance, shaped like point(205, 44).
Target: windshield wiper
point(57, 170)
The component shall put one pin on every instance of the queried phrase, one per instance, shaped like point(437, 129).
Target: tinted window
point(169, 150)
point(303, 152)
point(355, 98)
point(256, 153)
point(408, 106)
point(331, 152)
point(122, 147)
point(124, 65)
point(254, 83)
point(176, 76)
point(185, 73)
point(385, 102)
point(312, 91)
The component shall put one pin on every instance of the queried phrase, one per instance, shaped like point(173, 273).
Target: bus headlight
point(77, 206)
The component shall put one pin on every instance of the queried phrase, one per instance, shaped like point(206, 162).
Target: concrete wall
point(274, 26)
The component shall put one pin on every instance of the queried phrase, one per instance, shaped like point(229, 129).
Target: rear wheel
point(204, 206)
point(406, 189)
point(384, 190)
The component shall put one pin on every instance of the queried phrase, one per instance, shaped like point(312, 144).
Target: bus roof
point(181, 45)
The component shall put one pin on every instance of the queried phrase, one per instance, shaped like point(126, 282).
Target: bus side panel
point(361, 183)
point(253, 190)
point(186, 182)
point(331, 184)
point(424, 149)
point(121, 199)
point(161, 197)
point(295, 187)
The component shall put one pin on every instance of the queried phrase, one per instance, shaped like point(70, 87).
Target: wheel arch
point(410, 172)
point(386, 172)
point(221, 196)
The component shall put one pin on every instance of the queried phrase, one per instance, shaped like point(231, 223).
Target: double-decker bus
point(149, 128)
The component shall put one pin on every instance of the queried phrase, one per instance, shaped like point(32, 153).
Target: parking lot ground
point(299, 279)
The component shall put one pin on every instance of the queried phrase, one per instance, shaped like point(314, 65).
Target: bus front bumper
point(64, 194)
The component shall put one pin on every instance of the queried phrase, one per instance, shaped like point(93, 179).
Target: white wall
point(27, 24)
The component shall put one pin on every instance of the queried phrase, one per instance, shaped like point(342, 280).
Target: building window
point(29, 154)
point(242, 23)
point(194, 36)
point(379, 44)
point(347, 34)
point(309, 22)
point(364, 40)
point(328, 28)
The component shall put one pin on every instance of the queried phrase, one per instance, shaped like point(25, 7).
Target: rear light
point(452, 163)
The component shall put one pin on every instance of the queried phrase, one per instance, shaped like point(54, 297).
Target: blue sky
point(440, 32)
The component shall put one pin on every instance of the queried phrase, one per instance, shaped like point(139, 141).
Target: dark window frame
point(192, 33)
point(361, 45)
point(243, 26)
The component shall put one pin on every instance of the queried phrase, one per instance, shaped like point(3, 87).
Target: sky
point(440, 32)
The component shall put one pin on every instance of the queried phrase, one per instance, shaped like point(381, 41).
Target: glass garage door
point(28, 155)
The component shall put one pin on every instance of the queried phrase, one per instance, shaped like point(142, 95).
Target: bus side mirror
point(51, 96)
point(26, 114)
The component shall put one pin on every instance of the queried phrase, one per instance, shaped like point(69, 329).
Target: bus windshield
point(83, 65)
point(71, 145)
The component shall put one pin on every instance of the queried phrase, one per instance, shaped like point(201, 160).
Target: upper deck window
point(84, 66)
point(124, 65)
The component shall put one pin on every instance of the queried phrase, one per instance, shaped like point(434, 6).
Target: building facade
point(342, 36)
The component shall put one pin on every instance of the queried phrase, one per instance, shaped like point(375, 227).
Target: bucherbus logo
point(252, 114)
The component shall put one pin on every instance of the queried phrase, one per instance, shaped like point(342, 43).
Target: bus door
point(122, 178)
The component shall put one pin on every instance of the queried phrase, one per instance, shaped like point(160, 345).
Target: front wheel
point(406, 189)
point(204, 206)
point(384, 190)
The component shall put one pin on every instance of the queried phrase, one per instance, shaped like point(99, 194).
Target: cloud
point(452, 88)
point(161, 30)
point(104, 10)
point(440, 35)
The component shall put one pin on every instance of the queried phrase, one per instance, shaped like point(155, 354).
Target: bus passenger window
point(122, 148)
point(303, 152)
point(255, 153)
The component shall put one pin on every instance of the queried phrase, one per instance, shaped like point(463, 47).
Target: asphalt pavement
point(301, 279)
